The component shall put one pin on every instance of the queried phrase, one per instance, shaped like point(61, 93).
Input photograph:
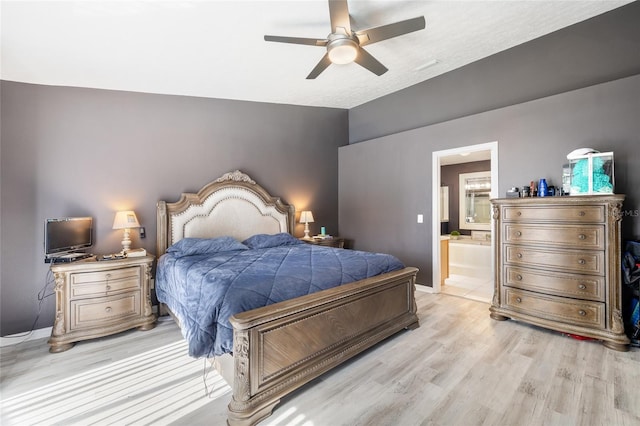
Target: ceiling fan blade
point(339, 13)
point(385, 32)
point(367, 61)
point(296, 40)
point(322, 65)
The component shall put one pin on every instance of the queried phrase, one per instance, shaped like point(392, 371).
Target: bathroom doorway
point(468, 280)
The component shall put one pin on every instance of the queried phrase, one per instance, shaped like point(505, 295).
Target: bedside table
point(99, 298)
point(329, 242)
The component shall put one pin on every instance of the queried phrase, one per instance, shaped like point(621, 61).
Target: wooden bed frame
point(280, 347)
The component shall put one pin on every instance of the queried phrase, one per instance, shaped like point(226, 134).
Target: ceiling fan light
point(342, 51)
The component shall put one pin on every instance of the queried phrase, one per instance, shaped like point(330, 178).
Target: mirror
point(475, 208)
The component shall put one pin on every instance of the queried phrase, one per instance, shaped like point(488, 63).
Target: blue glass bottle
point(542, 188)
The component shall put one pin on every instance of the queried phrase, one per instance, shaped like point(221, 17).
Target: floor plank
point(458, 368)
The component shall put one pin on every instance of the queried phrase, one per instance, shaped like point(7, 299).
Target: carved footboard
point(280, 347)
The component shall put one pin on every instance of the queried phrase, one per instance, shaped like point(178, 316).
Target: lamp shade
point(126, 219)
point(306, 216)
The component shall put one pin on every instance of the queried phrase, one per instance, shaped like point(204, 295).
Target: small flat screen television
point(67, 234)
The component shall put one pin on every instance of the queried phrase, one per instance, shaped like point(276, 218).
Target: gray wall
point(598, 50)
point(386, 182)
point(577, 87)
point(69, 152)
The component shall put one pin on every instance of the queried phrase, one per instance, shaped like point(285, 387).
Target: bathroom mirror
point(475, 208)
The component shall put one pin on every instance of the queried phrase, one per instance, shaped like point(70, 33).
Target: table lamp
point(306, 217)
point(126, 220)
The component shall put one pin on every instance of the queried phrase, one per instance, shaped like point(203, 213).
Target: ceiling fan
point(345, 45)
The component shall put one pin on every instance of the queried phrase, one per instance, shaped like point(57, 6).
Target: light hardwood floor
point(459, 368)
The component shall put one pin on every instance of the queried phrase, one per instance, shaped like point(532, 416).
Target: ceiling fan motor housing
point(342, 49)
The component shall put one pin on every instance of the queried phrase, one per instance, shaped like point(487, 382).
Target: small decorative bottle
point(542, 188)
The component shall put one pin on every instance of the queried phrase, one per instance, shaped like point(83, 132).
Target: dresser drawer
point(106, 282)
point(581, 261)
point(589, 287)
point(101, 311)
point(571, 311)
point(545, 213)
point(571, 236)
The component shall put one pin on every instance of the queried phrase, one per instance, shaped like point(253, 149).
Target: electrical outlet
point(143, 233)
point(420, 218)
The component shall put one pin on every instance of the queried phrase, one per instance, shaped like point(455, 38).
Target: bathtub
point(470, 257)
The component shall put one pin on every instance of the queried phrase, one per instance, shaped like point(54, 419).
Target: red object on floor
point(577, 337)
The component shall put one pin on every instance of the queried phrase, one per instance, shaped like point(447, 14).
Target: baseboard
point(424, 288)
point(14, 339)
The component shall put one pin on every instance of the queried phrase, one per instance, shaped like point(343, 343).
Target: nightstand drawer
point(99, 312)
point(570, 285)
point(582, 261)
point(572, 236)
point(336, 242)
point(571, 311)
point(542, 213)
point(103, 283)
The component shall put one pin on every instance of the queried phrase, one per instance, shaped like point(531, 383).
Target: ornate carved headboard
point(232, 205)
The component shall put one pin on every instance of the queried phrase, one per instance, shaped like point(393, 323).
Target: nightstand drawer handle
point(519, 213)
point(519, 255)
point(582, 286)
point(518, 234)
point(582, 237)
point(582, 213)
point(519, 300)
point(108, 276)
point(582, 313)
point(582, 261)
point(108, 287)
point(519, 277)
point(108, 309)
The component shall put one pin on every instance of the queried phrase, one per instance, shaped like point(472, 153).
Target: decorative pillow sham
point(276, 240)
point(195, 246)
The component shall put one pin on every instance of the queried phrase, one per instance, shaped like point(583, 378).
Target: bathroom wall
point(449, 176)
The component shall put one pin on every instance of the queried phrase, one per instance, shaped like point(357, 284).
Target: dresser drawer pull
point(582, 313)
point(519, 300)
point(108, 287)
point(582, 286)
point(108, 276)
point(519, 277)
point(582, 261)
point(581, 213)
point(108, 309)
point(582, 237)
point(519, 255)
point(518, 234)
point(519, 213)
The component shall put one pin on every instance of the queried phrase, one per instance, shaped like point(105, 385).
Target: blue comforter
point(206, 281)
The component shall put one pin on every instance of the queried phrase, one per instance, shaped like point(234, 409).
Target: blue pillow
point(194, 246)
point(276, 240)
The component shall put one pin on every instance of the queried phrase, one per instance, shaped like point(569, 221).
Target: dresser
point(99, 298)
point(558, 265)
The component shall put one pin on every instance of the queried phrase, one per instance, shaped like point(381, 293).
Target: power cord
point(41, 296)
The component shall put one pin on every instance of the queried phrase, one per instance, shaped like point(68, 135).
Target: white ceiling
point(216, 48)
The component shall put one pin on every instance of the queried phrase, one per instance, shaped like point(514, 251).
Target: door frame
point(435, 200)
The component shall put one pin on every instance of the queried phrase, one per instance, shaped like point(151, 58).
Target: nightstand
point(99, 298)
point(329, 242)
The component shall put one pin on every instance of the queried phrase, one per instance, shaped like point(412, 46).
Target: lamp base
point(126, 241)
